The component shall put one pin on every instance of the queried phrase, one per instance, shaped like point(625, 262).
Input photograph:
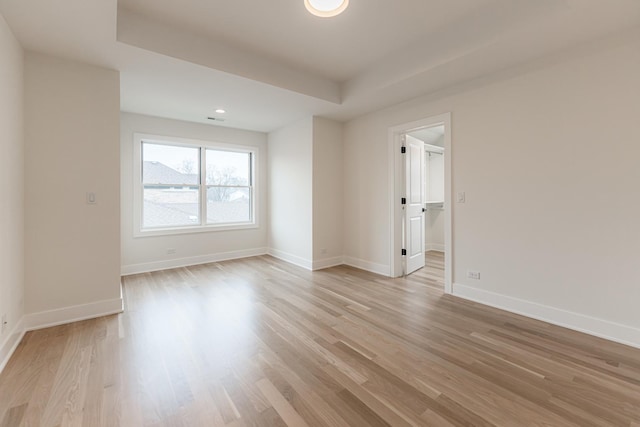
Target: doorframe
point(396, 192)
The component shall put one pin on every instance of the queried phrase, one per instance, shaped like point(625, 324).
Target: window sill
point(190, 230)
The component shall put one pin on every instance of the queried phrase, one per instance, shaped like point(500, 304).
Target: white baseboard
point(368, 266)
point(579, 322)
point(434, 247)
point(45, 319)
point(328, 262)
point(10, 344)
point(61, 316)
point(185, 262)
point(290, 258)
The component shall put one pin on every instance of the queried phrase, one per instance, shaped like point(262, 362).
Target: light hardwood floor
point(260, 342)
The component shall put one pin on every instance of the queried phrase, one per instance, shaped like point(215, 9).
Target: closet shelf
point(432, 204)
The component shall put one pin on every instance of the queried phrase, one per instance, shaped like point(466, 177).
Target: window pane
point(168, 164)
point(228, 204)
point(228, 168)
point(170, 206)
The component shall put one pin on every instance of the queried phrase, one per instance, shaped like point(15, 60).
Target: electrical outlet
point(91, 198)
point(475, 275)
point(323, 251)
point(171, 251)
point(4, 322)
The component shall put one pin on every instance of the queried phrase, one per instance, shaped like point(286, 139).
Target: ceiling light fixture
point(326, 8)
point(220, 111)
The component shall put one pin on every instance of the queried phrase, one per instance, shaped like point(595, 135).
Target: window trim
point(138, 186)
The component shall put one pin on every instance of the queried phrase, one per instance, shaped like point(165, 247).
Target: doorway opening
point(420, 197)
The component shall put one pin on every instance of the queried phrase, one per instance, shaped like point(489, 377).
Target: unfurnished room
point(319, 213)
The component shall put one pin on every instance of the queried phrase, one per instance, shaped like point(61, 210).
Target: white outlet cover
point(473, 275)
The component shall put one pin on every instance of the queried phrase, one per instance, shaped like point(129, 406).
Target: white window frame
point(203, 227)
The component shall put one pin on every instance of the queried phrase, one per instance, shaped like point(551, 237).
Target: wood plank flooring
point(259, 342)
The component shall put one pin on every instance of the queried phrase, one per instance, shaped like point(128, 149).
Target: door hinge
point(403, 150)
point(404, 252)
point(403, 201)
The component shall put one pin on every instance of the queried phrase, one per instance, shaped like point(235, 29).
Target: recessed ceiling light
point(220, 111)
point(326, 8)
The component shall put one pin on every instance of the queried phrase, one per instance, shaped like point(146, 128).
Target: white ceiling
point(337, 49)
point(269, 63)
point(432, 135)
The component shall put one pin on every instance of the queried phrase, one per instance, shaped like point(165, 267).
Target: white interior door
point(414, 216)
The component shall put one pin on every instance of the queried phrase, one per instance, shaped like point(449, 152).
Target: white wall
point(435, 176)
point(72, 147)
point(366, 204)
point(150, 252)
point(549, 164)
point(434, 233)
point(434, 218)
point(11, 189)
point(290, 164)
point(328, 204)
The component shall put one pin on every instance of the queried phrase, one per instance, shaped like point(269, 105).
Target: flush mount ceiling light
point(220, 111)
point(326, 8)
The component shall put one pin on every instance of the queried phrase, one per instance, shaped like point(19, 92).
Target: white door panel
point(414, 214)
point(415, 229)
point(416, 165)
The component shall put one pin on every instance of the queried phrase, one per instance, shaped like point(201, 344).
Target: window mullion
point(203, 186)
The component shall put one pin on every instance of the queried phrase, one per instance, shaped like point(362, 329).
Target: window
point(170, 186)
point(228, 186)
point(186, 186)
